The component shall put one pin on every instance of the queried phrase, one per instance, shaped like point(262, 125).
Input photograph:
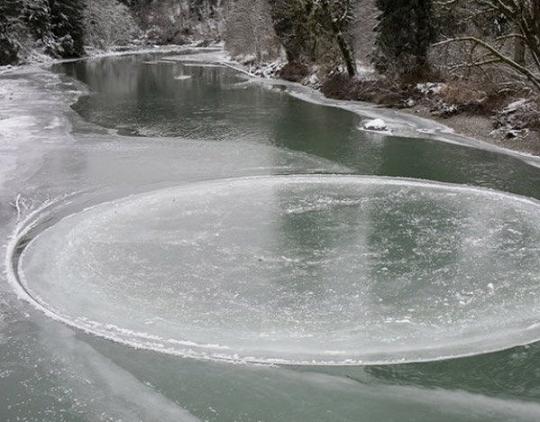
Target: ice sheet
point(334, 270)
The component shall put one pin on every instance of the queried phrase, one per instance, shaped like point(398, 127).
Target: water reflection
point(139, 95)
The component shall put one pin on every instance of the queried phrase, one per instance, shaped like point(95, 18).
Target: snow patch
point(515, 106)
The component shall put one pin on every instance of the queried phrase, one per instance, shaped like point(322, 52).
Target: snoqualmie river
point(186, 243)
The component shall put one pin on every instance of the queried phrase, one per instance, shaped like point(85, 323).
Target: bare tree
point(248, 30)
point(523, 20)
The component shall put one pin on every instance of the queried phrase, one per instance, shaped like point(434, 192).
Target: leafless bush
point(495, 35)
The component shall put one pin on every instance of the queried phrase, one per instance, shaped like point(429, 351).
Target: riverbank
point(509, 120)
point(466, 112)
point(481, 128)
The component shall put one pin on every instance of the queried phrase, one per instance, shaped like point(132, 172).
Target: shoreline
point(472, 130)
point(480, 127)
point(463, 129)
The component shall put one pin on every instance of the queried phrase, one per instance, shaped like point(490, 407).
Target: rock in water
point(376, 124)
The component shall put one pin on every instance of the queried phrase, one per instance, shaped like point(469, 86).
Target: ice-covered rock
point(443, 109)
point(410, 103)
point(376, 124)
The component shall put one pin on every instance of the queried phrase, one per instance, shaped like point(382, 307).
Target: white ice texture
point(298, 270)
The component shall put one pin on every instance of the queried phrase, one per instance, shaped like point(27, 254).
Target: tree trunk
point(347, 54)
point(344, 47)
point(519, 48)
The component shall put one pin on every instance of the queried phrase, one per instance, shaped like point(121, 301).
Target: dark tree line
point(405, 31)
point(66, 23)
point(56, 24)
point(9, 45)
point(318, 31)
point(308, 29)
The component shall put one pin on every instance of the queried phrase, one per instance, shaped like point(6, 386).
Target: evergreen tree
point(9, 45)
point(37, 16)
point(57, 26)
point(203, 8)
point(404, 33)
point(67, 26)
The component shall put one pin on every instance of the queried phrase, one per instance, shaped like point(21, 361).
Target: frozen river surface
point(318, 269)
point(202, 221)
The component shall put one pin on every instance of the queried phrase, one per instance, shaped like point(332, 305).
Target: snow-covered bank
point(41, 61)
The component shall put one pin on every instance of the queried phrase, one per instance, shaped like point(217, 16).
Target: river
point(186, 243)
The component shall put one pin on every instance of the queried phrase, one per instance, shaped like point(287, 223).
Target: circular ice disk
point(298, 270)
